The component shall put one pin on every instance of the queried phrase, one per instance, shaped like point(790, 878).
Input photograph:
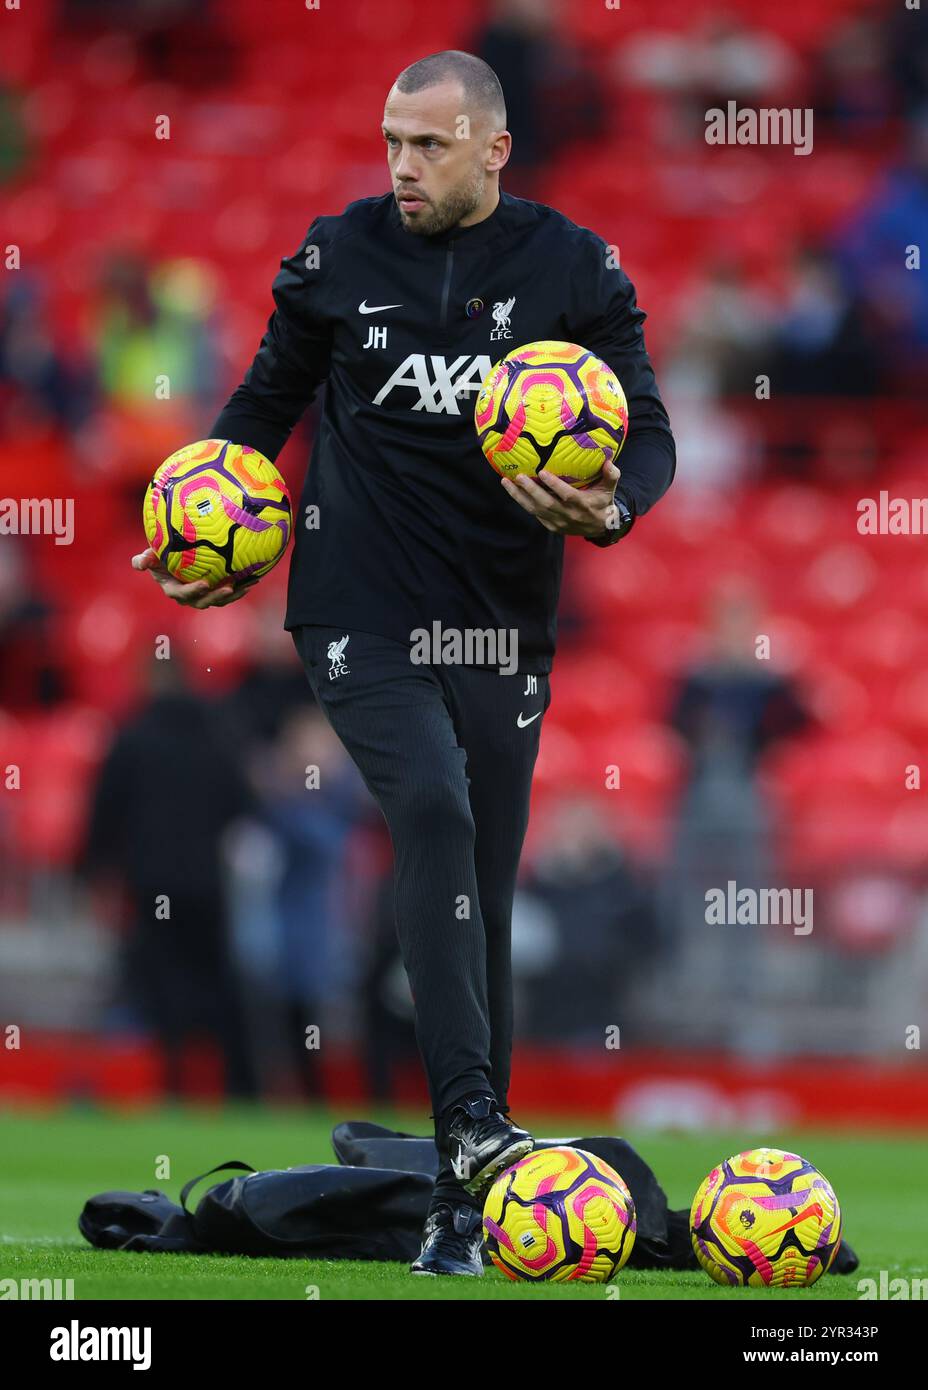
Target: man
point(403, 303)
point(178, 970)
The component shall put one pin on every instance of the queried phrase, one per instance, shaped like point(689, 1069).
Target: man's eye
point(426, 144)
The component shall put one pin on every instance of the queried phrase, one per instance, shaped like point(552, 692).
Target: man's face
point(439, 177)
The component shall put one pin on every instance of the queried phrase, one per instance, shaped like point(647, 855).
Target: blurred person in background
point(722, 59)
point(16, 148)
point(271, 689)
point(554, 95)
point(156, 335)
point(293, 843)
point(178, 40)
point(166, 793)
point(605, 921)
point(907, 43)
point(31, 670)
point(852, 86)
point(872, 252)
point(39, 382)
point(388, 1014)
point(155, 323)
point(729, 710)
point(310, 800)
point(725, 328)
point(822, 344)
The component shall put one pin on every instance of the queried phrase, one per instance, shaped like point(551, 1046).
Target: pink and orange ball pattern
point(552, 405)
point(767, 1219)
point(559, 1214)
point(217, 510)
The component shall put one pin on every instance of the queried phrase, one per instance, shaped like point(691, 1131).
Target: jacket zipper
point(446, 288)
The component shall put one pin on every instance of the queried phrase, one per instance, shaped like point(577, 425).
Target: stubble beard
point(436, 218)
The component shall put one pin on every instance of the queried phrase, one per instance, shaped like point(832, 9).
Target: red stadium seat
point(837, 700)
point(888, 642)
point(909, 708)
point(871, 768)
point(58, 753)
point(830, 831)
point(594, 692)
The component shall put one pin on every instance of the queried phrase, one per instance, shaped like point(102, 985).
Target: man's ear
point(501, 149)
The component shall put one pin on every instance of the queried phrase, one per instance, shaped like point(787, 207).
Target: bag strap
point(189, 1186)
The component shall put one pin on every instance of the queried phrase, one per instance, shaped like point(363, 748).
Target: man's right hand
point(195, 595)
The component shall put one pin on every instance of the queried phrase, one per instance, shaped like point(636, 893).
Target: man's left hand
point(567, 510)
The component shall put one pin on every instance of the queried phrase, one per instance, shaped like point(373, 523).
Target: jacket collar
point(475, 235)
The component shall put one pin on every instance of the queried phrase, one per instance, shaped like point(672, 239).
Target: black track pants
point(448, 754)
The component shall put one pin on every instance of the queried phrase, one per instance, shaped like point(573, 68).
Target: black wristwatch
point(625, 520)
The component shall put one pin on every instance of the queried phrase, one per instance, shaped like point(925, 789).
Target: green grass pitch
point(53, 1160)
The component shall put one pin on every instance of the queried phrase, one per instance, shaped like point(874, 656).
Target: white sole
point(484, 1180)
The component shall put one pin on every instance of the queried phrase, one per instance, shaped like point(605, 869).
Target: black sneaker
point(452, 1242)
point(482, 1142)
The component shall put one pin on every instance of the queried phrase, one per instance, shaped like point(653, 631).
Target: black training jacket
point(412, 524)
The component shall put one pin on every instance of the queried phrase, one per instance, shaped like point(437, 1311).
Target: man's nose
point(405, 167)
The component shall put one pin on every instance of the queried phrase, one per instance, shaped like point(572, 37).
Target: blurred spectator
point(179, 41)
point(729, 710)
point(275, 684)
point(908, 49)
point(726, 325)
point(721, 449)
point(31, 672)
point(553, 97)
point(733, 707)
point(42, 383)
point(872, 253)
point(15, 146)
point(605, 927)
point(723, 60)
point(156, 324)
point(852, 89)
point(731, 59)
point(166, 792)
point(724, 332)
point(388, 1022)
point(310, 801)
point(823, 345)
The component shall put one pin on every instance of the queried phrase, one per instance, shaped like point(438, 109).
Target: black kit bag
point(146, 1220)
point(372, 1205)
point(318, 1211)
point(353, 1210)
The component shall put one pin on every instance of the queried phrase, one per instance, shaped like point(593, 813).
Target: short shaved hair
point(481, 86)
